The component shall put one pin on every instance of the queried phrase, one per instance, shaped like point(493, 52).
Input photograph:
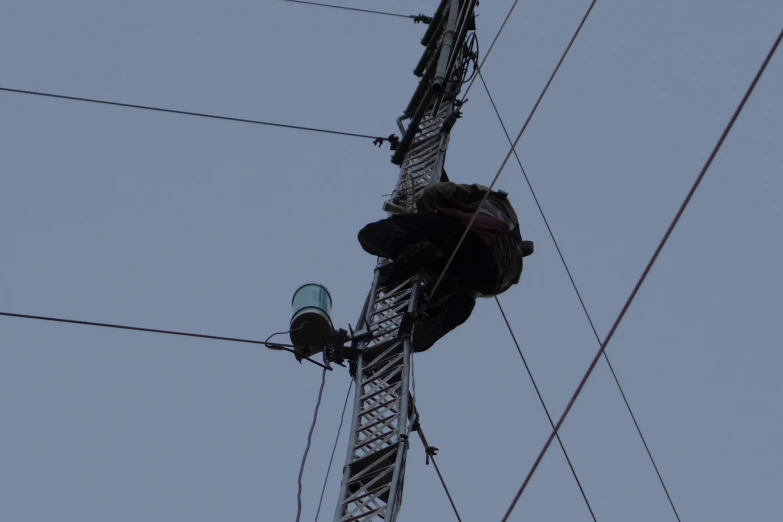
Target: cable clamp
point(393, 139)
point(429, 451)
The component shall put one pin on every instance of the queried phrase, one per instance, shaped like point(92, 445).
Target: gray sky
point(166, 221)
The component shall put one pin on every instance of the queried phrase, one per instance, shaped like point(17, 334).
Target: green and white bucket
point(311, 325)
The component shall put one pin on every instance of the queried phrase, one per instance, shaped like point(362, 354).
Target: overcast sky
point(166, 221)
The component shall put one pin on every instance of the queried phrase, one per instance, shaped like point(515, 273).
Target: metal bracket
point(337, 351)
point(393, 139)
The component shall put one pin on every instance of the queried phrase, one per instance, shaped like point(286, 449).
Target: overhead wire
point(645, 272)
point(346, 8)
point(581, 301)
point(491, 46)
point(516, 141)
point(307, 448)
point(546, 410)
point(272, 346)
point(189, 113)
point(334, 449)
point(430, 452)
point(266, 341)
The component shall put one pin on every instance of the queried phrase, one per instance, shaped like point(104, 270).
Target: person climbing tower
point(487, 263)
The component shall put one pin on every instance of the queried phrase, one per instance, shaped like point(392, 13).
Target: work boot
point(408, 263)
point(432, 304)
point(427, 331)
point(436, 322)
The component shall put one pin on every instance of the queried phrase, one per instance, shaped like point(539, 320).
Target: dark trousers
point(474, 266)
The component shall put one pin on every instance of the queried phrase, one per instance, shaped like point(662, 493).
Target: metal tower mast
point(374, 471)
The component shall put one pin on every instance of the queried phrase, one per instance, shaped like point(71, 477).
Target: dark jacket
point(495, 224)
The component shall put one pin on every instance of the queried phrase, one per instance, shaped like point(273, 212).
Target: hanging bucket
point(311, 325)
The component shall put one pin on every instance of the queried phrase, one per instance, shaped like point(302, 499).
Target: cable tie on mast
point(394, 141)
point(451, 120)
point(429, 452)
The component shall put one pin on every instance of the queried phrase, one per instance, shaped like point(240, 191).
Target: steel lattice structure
point(374, 472)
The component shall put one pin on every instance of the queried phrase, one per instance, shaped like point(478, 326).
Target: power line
point(190, 113)
point(514, 145)
point(546, 410)
point(334, 448)
point(646, 271)
point(431, 451)
point(267, 344)
point(346, 8)
point(307, 448)
point(497, 35)
point(581, 301)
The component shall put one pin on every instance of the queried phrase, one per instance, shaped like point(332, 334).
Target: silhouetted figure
point(488, 262)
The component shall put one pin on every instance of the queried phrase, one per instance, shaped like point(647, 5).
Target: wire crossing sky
point(186, 113)
point(267, 343)
point(646, 271)
point(126, 219)
point(587, 315)
point(369, 11)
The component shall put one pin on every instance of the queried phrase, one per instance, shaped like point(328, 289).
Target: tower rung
point(380, 421)
point(378, 392)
